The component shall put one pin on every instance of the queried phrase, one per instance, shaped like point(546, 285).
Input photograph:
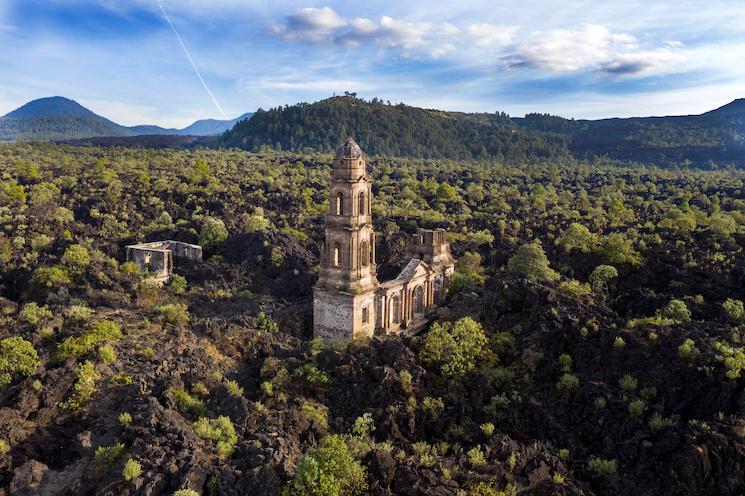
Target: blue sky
point(583, 59)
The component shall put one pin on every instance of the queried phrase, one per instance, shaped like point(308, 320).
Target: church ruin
point(348, 299)
point(157, 257)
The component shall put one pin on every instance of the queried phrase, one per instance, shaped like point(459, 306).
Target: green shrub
point(125, 418)
point(433, 406)
point(487, 428)
point(188, 403)
point(567, 382)
point(106, 354)
point(87, 376)
point(177, 283)
point(454, 347)
point(102, 331)
point(220, 431)
point(628, 383)
point(309, 372)
point(531, 262)
point(619, 344)
point(732, 357)
point(735, 310)
point(658, 422)
point(364, 426)
point(677, 311)
point(688, 350)
point(33, 314)
point(234, 389)
point(76, 258)
point(565, 362)
point(601, 466)
point(475, 457)
point(573, 288)
point(18, 358)
point(186, 492)
point(485, 489)
point(172, 313)
point(329, 469)
point(265, 323)
point(78, 314)
point(315, 412)
point(637, 407)
point(106, 456)
point(132, 470)
point(50, 277)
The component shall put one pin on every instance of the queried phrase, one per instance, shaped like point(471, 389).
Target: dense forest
point(709, 140)
point(591, 344)
point(393, 130)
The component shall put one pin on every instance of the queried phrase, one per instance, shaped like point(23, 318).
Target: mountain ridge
point(58, 118)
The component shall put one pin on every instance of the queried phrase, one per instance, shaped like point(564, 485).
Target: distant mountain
point(52, 106)
point(58, 119)
point(211, 127)
point(716, 137)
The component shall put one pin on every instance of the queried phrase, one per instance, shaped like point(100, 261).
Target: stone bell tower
point(344, 296)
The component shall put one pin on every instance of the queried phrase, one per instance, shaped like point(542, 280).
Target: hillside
point(610, 363)
point(400, 130)
point(61, 119)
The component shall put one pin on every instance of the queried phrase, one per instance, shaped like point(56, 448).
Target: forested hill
point(714, 138)
point(394, 130)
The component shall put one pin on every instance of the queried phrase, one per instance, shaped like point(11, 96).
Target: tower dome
point(349, 149)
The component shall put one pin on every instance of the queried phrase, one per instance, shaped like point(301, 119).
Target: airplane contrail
point(191, 60)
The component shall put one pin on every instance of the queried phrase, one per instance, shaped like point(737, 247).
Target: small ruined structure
point(348, 299)
point(157, 257)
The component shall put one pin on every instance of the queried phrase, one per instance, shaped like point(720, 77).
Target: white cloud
point(311, 25)
point(485, 34)
point(132, 114)
point(593, 47)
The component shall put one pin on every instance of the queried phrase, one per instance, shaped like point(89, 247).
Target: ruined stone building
point(348, 299)
point(157, 257)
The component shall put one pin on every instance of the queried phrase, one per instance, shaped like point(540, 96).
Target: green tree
point(601, 276)
point(531, 262)
point(577, 237)
point(617, 250)
point(676, 310)
point(454, 347)
point(76, 258)
point(328, 470)
point(213, 234)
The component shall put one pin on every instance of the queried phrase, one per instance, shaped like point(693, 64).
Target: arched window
point(372, 250)
point(395, 309)
point(419, 300)
point(336, 255)
point(339, 208)
point(362, 203)
point(364, 254)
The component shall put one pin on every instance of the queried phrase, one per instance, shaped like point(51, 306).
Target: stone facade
point(348, 299)
point(157, 257)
